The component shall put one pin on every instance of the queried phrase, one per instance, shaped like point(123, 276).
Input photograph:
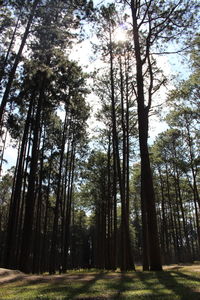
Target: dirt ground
point(183, 267)
point(8, 276)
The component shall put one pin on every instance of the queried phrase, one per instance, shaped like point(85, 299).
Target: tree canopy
point(111, 198)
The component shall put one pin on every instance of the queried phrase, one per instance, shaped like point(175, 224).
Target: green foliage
point(175, 158)
point(94, 179)
point(5, 195)
point(188, 92)
point(6, 187)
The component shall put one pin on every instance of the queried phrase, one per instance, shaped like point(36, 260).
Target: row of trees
point(66, 206)
point(48, 145)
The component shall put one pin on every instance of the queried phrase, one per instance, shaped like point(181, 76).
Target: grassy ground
point(176, 282)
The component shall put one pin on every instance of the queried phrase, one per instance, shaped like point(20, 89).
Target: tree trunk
point(147, 188)
point(37, 234)
point(53, 251)
point(164, 227)
point(12, 229)
point(30, 197)
point(2, 72)
point(126, 256)
point(16, 62)
point(44, 256)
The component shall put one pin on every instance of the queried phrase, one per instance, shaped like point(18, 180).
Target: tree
point(48, 80)
point(17, 59)
point(98, 188)
point(152, 22)
point(184, 116)
point(116, 93)
point(6, 190)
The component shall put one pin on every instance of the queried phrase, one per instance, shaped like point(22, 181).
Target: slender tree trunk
point(23, 194)
point(145, 237)
point(65, 225)
point(127, 138)
point(192, 163)
point(177, 222)
point(37, 238)
point(147, 188)
point(188, 251)
point(179, 198)
point(16, 62)
point(44, 258)
point(53, 251)
point(109, 243)
point(12, 229)
point(193, 187)
point(30, 197)
point(125, 176)
point(114, 196)
point(126, 261)
point(3, 149)
point(197, 222)
point(69, 202)
point(164, 227)
point(173, 225)
point(2, 72)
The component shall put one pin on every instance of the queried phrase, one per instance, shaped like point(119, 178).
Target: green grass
point(167, 285)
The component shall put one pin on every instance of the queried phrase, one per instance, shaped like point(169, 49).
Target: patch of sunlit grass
point(167, 285)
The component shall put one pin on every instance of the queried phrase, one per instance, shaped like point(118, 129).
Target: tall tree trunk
point(177, 222)
point(3, 140)
point(126, 260)
point(109, 243)
point(16, 62)
point(69, 200)
point(44, 258)
point(2, 72)
point(114, 196)
point(65, 213)
point(23, 194)
point(173, 224)
point(30, 197)
point(53, 251)
point(37, 234)
point(147, 188)
point(145, 237)
point(192, 162)
point(164, 227)
point(13, 222)
point(188, 249)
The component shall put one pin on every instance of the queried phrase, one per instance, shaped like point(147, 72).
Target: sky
point(82, 53)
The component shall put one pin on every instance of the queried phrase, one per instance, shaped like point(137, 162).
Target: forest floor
point(176, 282)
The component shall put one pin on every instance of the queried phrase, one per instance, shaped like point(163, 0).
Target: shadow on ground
point(167, 285)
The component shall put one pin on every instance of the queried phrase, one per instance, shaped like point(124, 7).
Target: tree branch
point(150, 84)
point(170, 52)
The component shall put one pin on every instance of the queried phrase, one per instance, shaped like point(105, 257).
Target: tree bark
point(16, 62)
point(126, 255)
point(2, 72)
point(30, 197)
point(12, 229)
point(147, 189)
point(53, 251)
